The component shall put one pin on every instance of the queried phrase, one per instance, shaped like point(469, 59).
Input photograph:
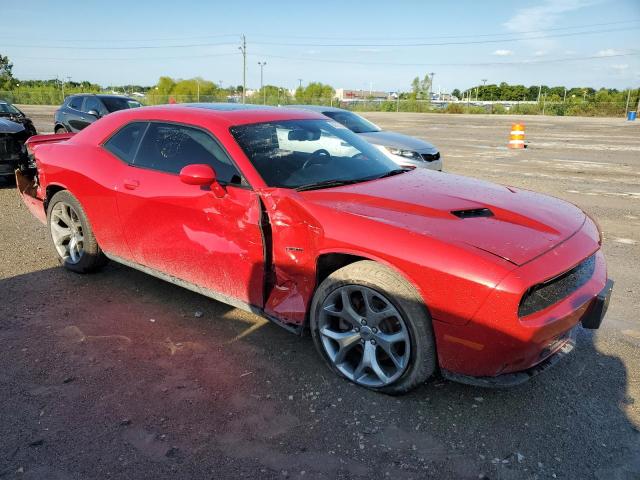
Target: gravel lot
point(120, 375)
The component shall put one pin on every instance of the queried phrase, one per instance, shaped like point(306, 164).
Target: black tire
point(59, 129)
point(92, 257)
point(404, 297)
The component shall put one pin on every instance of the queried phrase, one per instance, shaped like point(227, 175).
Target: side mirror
point(94, 113)
point(202, 174)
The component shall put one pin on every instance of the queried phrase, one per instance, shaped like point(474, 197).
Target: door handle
point(131, 184)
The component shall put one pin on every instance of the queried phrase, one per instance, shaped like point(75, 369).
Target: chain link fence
point(572, 107)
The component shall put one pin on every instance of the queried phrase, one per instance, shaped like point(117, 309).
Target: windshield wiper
point(391, 173)
point(339, 183)
point(326, 184)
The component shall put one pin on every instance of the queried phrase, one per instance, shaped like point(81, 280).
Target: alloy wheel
point(364, 336)
point(67, 232)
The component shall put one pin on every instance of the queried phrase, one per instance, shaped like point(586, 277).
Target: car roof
point(101, 95)
point(228, 115)
point(318, 108)
point(228, 107)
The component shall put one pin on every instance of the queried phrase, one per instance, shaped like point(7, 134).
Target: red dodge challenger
point(397, 273)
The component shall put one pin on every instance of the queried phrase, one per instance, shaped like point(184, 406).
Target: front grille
point(430, 157)
point(552, 291)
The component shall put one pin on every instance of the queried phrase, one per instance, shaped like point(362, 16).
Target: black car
point(15, 129)
point(13, 113)
point(78, 111)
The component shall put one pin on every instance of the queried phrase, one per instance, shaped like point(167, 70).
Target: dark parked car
point(13, 113)
point(15, 129)
point(78, 111)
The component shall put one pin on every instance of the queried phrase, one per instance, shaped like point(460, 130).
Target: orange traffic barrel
point(516, 138)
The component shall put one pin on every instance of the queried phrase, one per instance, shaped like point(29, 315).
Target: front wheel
point(372, 327)
point(72, 235)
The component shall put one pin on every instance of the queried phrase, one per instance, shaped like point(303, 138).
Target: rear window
point(114, 104)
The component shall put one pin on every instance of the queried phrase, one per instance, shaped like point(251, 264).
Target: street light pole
point(264, 93)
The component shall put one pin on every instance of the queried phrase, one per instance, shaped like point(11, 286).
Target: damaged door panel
point(296, 236)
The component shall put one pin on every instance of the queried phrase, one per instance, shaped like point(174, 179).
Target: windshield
point(8, 108)
point(303, 153)
point(114, 103)
point(353, 122)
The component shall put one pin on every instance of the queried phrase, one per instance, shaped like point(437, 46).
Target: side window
point(125, 143)
point(76, 103)
point(168, 147)
point(93, 103)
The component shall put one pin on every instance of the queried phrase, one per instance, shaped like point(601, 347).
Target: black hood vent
point(473, 213)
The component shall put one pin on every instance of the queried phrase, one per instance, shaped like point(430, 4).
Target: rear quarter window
point(124, 143)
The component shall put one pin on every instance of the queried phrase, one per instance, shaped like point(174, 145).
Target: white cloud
point(608, 52)
point(620, 67)
point(502, 53)
point(540, 53)
point(544, 15)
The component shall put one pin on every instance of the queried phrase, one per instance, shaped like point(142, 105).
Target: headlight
point(404, 153)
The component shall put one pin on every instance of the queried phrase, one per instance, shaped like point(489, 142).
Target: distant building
point(346, 95)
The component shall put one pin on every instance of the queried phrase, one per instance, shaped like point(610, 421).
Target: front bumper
point(554, 353)
point(497, 341)
point(518, 378)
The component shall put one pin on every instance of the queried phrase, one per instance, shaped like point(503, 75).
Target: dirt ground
point(120, 375)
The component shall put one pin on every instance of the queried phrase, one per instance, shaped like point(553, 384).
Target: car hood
point(398, 140)
point(523, 224)
point(7, 126)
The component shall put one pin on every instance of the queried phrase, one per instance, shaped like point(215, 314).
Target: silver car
point(402, 149)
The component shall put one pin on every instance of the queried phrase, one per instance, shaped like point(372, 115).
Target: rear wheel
point(371, 327)
point(72, 235)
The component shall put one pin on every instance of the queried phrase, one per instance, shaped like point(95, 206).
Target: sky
point(379, 45)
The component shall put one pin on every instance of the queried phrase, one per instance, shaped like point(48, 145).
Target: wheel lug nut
point(357, 329)
point(373, 342)
point(374, 330)
point(362, 340)
point(363, 322)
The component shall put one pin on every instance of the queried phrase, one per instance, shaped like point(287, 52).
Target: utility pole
point(243, 49)
point(626, 108)
point(432, 75)
point(564, 98)
point(299, 83)
point(484, 84)
point(198, 83)
point(539, 91)
point(264, 93)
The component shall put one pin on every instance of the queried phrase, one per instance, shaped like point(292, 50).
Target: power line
point(418, 44)
point(478, 64)
point(127, 58)
point(137, 47)
point(448, 36)
point(434, 44)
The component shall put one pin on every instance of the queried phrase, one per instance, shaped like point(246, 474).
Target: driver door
point(186, 231)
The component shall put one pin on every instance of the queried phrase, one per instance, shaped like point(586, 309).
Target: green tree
point(7, 82)
point(420, 88)
point(456, 93)
point(315, 92)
